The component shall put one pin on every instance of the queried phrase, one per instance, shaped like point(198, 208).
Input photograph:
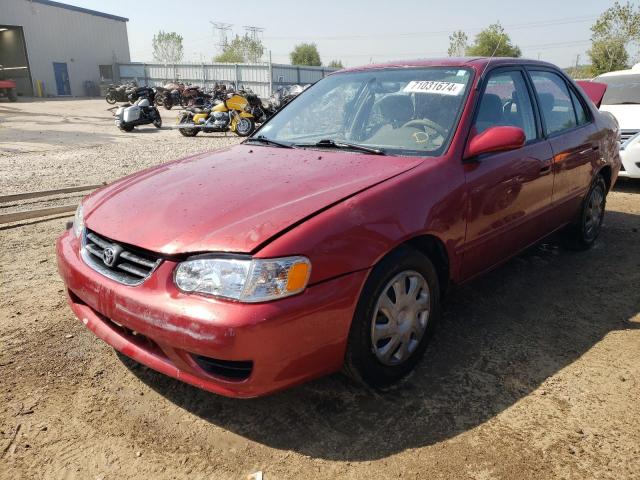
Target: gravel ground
point(533, 373)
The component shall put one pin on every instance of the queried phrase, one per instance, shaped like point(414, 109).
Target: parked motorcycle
point(140, 112)
point(172, 94)
point(235, 114)
point(192, 95)
point(119, 92)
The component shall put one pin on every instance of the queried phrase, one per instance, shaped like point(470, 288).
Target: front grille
point(626, 135)
point(119, 262)
point(231, 370)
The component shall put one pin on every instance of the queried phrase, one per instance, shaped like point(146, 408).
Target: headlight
point(244, 279)
point(78, 221)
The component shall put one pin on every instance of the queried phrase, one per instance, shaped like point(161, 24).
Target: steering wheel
point(425, 122)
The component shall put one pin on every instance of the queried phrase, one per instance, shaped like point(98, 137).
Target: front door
point(62, 78)
point(508, 192)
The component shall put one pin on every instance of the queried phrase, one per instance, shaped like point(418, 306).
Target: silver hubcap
point(400, 317)
point(595, 210)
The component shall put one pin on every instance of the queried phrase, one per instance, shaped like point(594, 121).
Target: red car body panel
point(343, 211)
point(232, 200)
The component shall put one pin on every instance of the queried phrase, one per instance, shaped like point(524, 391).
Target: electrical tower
point(252, 31)
point(220, 29)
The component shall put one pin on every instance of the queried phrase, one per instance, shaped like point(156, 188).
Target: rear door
point(573, 137)
point(508, 192)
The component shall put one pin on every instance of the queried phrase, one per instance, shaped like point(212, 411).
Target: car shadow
point(627, 185)
point(499, 339)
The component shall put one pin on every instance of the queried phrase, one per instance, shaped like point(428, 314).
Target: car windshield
point(621, 89)
point(402, 111)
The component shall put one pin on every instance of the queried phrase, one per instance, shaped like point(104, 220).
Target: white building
point(53, 48)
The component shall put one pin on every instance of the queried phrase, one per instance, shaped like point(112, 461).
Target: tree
point(493, 41)
point(167, 47)
point(242, 49)
point(336, 64)
point(607, 56)
point(458, 44)
point(305, 54)
point(614, 31)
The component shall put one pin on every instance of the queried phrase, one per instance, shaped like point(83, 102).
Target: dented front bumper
point(278, 344)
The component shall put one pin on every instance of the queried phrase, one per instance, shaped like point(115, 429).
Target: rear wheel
point(126, 128)
point(394, 319)
point(188, 132)
point(167, 102)
point(584, 231)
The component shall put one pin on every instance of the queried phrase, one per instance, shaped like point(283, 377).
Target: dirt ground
point(533, 373)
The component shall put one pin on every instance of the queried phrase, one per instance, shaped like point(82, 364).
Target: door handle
point(546, 170)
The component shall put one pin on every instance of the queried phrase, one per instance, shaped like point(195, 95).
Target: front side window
point(554, 100)
point(506, 101)
point(408, 111)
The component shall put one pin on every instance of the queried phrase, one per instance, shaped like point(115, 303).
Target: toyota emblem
point(108, 256)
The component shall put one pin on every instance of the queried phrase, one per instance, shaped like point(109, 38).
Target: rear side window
point(581, 114)
point(506, 101)
point(555, 101)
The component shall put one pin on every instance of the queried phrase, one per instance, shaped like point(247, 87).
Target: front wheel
point(167, 102)
point(394, 319)
point(245, 127)
point(583, 232)
point(110, 98)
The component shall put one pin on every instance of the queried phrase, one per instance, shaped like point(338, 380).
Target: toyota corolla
point(327, 240)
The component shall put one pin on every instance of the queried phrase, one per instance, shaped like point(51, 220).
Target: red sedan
point(327, 239)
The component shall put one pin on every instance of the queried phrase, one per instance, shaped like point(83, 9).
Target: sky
point(359, 31)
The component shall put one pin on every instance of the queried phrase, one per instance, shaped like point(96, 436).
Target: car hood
point(231, 200)
point(628, 116)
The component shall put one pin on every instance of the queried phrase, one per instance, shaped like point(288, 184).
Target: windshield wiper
point(267, 141)
point(328, 143)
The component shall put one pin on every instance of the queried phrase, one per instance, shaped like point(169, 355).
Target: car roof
point(635, 70)
point(477, 63)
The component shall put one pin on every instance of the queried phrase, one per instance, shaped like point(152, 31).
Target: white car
point(622, 100)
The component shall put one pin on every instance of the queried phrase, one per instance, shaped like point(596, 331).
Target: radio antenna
point(495, 50)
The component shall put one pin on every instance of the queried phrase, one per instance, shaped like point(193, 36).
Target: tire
point(377, 360)
point(244, 127)
point(127, 128)
point(167, 103)
point(188, 132)
point(11, 95)
point(582, 233)
point(157, 122)
point(110, 98)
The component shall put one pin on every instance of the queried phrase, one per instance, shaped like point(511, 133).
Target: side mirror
point(495, 139)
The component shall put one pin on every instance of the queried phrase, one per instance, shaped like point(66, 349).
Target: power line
point(545, 23)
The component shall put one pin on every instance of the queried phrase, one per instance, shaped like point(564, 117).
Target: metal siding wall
point(253, 76)
point(54, 34)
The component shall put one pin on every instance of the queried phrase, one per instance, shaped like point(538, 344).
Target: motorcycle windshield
point(402, 111)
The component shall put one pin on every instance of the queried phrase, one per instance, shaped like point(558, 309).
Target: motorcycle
point(141, 111)
point(284, 95)
point(192, 96)
point(236, 113)
point(172, 94)
point(119, 92)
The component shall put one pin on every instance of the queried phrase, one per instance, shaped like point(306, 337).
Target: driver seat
point(396, 109)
